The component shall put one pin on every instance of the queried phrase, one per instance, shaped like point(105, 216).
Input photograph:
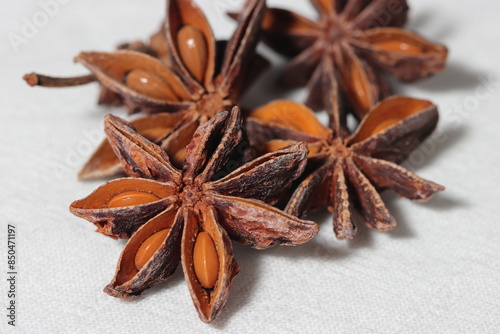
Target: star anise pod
point(196, 72)
point(362, 37)
point(352, 168)
point(188, 215)
point(196, 79)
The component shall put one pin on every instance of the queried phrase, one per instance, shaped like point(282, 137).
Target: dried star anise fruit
point(362, 37)
point(192, 74)
point(188, 215)
point(351, 168)
point(196, 79)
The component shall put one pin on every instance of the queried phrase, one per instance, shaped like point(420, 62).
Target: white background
point(438, 272)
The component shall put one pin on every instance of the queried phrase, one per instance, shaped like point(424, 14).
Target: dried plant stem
point(34, 79)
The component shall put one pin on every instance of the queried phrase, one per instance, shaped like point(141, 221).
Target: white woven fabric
point(438, 272)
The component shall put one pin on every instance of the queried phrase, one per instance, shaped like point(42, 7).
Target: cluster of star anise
point(200, 172)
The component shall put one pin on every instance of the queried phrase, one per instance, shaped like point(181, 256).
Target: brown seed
point(205, 260)
point(149, 247)
point(130, 198)
point(359, 87)
point(292, 115)
point(276, 144)
point(154, 134)
point(193, 50)
point(150, 85)
point(179, 157)
point(385, 124)
point(397, 46)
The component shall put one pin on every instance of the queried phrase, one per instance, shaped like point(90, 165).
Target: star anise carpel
point(156, 48)
point(351, 169)
point(188, 215)
point(364, 40)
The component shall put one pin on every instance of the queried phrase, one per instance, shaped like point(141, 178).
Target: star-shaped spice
point(196, 79)
point(362, 37)
point(352, 168)
point(188, 215)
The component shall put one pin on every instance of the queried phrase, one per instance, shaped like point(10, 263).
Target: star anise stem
point(35, 79)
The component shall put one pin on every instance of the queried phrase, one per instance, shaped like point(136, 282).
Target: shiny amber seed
point(154, 134)
point(360, 88)
point(276, 144)
point(205, 260)
point(193, 50)
point(150, 85)
point(179, 157)
point(129, 198)
point(149, 247)
point(292, 115)
point(397, 46)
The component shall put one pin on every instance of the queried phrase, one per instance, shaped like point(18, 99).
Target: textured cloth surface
point(438, 272)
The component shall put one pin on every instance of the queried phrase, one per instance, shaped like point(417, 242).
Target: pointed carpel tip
point(446, 52)
point(392, 226)
point(235, 110)
point(302, 146)
point(221, 115)
point(345, 233)
point(81, 176)
point(112, 119)
point(112, 123)
point(314, 229)
point(206, 315)
point(109, 290)
point(207, 320)
point(85, 174)
point(235, 115)
point(108, 119)
point(86, 57)
point(73, 207)
point(434, 190)
point(80, 57)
